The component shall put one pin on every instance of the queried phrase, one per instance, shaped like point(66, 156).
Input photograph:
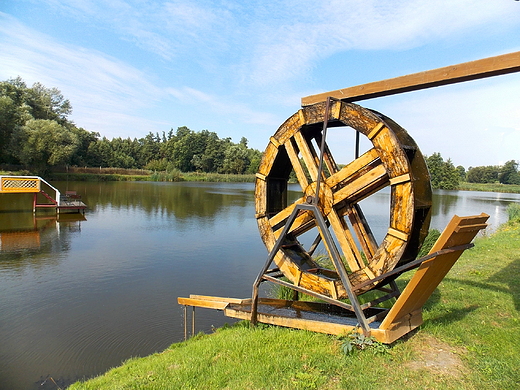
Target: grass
point(513, 210)
point(156, 176)
point(122, 174)
point(489, 187)
point(470, 340)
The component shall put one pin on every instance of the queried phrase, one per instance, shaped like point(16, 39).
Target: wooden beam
point(487, 67)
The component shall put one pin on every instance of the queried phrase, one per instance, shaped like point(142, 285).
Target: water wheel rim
point(394, 160)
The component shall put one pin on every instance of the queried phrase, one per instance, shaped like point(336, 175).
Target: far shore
point(118, 174)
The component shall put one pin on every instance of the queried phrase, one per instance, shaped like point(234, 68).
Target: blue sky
point(240, 68)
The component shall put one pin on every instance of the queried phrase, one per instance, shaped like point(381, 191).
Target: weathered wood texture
point(394, 160)
point(487, 67)
point(388, 325)
point(460, 231)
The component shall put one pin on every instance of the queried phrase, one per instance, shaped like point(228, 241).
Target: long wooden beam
point(487, 67)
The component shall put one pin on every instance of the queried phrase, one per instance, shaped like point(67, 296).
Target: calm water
point(80, 295)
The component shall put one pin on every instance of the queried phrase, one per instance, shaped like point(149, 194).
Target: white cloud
point(223, 107)
point(319, 29)
point(254, 59)
point(475, 123)
point(101, 86)
point(277, 42)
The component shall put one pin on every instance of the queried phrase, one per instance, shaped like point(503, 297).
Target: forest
point(36, 133)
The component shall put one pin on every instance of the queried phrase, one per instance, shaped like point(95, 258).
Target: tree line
point(445, 175)
point(35, 132)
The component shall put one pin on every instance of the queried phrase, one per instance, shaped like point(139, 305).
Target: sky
point(240, 68)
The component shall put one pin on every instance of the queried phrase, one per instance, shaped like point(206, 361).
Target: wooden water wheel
point(393, 160)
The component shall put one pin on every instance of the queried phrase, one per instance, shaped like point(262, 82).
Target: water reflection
point(180, 200)
point(448, 203)
point(25, 235)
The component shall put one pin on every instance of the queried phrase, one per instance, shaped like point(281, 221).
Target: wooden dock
point(68, 202)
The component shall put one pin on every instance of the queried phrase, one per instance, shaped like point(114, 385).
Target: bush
point(513, 210)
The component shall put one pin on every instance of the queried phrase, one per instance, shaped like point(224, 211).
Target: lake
point(80, 294)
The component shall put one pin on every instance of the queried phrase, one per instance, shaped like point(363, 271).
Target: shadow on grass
point(509, 275)
point(454, 315)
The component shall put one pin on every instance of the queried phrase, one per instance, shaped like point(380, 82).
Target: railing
point(25, 184)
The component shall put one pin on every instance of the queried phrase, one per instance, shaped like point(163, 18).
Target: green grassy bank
point(159, 176)
point(120, 174)
point(489, 187)
point(470, 340)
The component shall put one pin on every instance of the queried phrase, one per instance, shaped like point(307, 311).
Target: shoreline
point(470, 339)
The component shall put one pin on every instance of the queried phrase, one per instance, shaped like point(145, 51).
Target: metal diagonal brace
point(336, 259)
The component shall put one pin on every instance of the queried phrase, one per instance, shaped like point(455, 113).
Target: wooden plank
point(353, 168)
point(399, 328)
point(473, 70)
point(346, 241)
point(371, 182)
point(295, 323)
point(295, 162)
point(398, 234)
point(362, 229)
point(210, 302)
point(307, 155)
point(431, 272)
point(220, 299)
point(202, 303)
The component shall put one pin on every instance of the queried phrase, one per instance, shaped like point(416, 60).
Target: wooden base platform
point(385, 325)
point(312, 316)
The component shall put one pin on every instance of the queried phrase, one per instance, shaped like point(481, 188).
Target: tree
point(509, 173)
point(19, 105)
point(13, 114)
point(443, 174)
point(255, 157)
point(462, 172)
point(235, 160)
point(484, 174)
point(149, 149)
point(435, 164)
point(42, 143)
point(85, 139)
point(451, 176)
point(48, 103)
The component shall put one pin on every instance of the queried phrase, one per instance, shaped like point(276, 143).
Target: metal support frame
point(186, 322)
point(324, 235)
point(336, 259)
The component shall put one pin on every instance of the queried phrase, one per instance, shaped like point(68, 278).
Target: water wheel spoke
point(346, 241)
point(308, 154)
point(303, 222)
point(281, 216)
point(353, 169)
point(328, 159)
point(361, 230)
point(362, 185)
point(292, 152)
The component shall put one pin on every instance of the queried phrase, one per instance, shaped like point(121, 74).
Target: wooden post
point(487, 67)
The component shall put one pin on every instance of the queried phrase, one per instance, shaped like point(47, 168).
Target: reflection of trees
point(181, 200)
point(26, 239)
point(443, 202)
